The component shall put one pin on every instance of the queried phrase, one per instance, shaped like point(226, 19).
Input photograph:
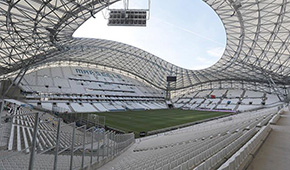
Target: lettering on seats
point(97, 73)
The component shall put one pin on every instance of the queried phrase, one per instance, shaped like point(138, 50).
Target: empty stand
point(253, 94)
point(77, 147)
point(88, 91)
point(211, 145)
point(235, 93)
point(222, 99)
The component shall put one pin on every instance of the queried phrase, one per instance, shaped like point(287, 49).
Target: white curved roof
point(35, 32)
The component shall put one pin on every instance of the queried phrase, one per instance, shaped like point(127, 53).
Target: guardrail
point(39, 143)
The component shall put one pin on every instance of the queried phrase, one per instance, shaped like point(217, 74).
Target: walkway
point(275, 152)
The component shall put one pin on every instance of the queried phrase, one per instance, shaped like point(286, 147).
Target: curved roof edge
point(257, 42)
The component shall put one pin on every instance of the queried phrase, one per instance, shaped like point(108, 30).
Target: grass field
point(144, 121)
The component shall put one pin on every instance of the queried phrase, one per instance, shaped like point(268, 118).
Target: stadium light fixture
point(127, 17)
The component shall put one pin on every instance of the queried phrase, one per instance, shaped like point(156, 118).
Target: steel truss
point(33, 33)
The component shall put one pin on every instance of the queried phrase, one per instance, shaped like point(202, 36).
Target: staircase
point(240, 100)
point(223, 96)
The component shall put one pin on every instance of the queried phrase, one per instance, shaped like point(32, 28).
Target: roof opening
point(188, 34)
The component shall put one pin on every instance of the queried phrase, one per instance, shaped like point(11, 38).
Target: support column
point(57, 145)
point(72, 147)
point(33, 146)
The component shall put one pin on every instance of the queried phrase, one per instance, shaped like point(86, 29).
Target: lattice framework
point(34, 33)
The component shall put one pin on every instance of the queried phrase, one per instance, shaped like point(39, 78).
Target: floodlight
point(127, 17)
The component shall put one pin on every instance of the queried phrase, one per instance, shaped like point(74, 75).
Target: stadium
point(86, 103)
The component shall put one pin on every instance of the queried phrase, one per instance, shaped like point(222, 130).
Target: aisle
point(275, 152)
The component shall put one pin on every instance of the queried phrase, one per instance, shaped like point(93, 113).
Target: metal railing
point(83, 119)
point(37, 140)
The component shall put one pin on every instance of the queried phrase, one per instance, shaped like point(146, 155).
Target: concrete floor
point(274, 154)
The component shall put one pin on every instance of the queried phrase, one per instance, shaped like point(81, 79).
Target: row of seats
point(60, 96)
point(215, 160)
point(194, 152)
point(223, 125)
point(82, 89)
point(22, 131)
point(233, 100)
point(80, 141)
point(244, 154)
point(231, 93)
point(101, 106)
point(75, 81)
point(226, 122)
point(201, 146)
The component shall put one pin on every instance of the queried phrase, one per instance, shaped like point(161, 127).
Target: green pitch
point(148, 120)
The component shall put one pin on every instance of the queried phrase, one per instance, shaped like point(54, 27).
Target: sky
point(187, 34)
